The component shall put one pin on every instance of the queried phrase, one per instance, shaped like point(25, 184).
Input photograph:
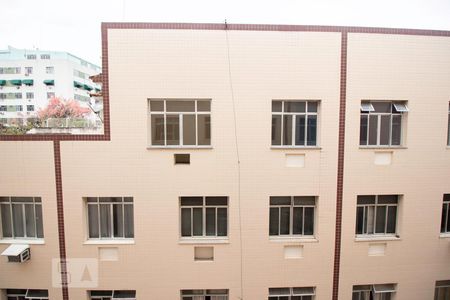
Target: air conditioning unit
point(17, 253)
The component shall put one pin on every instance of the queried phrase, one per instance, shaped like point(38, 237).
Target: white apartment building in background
point(29, 78)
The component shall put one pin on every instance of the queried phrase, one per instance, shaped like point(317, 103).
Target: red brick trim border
point(60, 212)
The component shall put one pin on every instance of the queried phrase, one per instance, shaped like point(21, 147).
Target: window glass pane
point(396, 130)
point(304, 200)
point(287, 130)
point(359, 220)
point(191, 201)
point(157, 129)
point(6, 220)
point(448, 131)
point(309, 221)
point(385, 128)
point(300, 122)
point(21, 199)
point(129, 221)
point(118, 220)
point(381, 219)
point(276, 130)
point(180, 106)
point(274, 221)
point(275, 200)
point(157, 105)
point(30, 220)
point(17, 215)
point(189, 130)
point(366, 199)
point(197, 221)
point(391, 221)
point(297, 219)
point(285, 217)
point(222, 221)
point(276, 106)
point(369, 219)
point(373, 129)
point(204, 129)
point(93, 221)
point(388, 199)
point(173, 129)
point(312, 106)
point(185, 222)
point(294, 106)
point(204, 105)
point(210, 221)
point(105, 220)
point(443, 217)
point(382, 107)
point(216, 201)
point(312, 130)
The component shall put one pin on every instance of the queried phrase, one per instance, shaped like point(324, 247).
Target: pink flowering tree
point(60, 108)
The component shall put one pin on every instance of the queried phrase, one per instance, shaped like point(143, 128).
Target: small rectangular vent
point(182, 159)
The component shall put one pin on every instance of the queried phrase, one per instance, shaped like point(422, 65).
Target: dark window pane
point(30, 220)
point(392, 218)
point(304, 200)
point(388, 199)
point(222, 221)
point(297, 219)
point(156, 105)
point(381, 219)
point(6, 220)
point(285, 217)
point(300, 122)
point(443, 217)
point(369, 217)
point(382, 107)
point(189, 130)
point(366, 199)
point(448, 221)
point(287, 130)
point(197, 222)
point(157, 129)
point(204, 129)
point(275, 200)
point(309, 221)
point(180, 106)
point(39, 225)
point(204, 105)
point(294, 106)
point(448, 133)
point(186, 222)
point(276, 130)
point(129, 221)
point(385, 128)
point(396, 130)
point(210, 221)
point(105, 220)
point(93, 221)
point(274, 221)
point(312, 106)
point(191, 201)
point(118, 220)
point(173, 129)
point(359, 220)
point(17, 214)
point(216, 201)
point(373, 129)
point(92, 199)
point(312, 131)
point(21, 199)
point(276, 106)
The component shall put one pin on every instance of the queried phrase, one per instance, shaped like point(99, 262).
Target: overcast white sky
point(74, 26)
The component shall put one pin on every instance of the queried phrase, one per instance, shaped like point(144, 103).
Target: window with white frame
point(21, 217)
point(292, 216)
point(374, 292)
point(112, 295)
point(445, 220)
point(204, 216)
point(381, 123)
point(30, 95)
point(294, 123)
point(216, 294)
point(294, 293)
point(110, 217)
point(448, 129)
point(442, 290)
point(24, 294)
point(49, 70)
point(180, 123)
point(377, 215)
point(31, 56)
point(28, 70)
point(45, 56)
point(9, 70)
point(30, 107)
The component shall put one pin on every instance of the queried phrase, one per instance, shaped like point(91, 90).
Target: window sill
point(294, 239)
point(366, 238)
point(23, 241)
point(295, 148)
point(444, 235)
point(382, 147)
point(191, 241)
point(109, 242)
point(179, 147)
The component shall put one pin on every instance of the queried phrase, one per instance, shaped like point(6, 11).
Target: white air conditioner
point(17, 253)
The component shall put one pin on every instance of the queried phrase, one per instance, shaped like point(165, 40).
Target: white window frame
point(202, 294)
point(446, 206)
point(195, 113)
point(25, 295)
point(294, 118)
point(448, 129)
point(376, 205)
point(111, 295)
point(375, 291)
point(291, 292)
point(370, 111)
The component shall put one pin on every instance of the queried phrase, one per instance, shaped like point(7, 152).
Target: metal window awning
point(2, 82)
point(367, 107)
point(49, 82)
point(87, 87)
point(401, 107)
point(383, 288)
point(28, 81)
point(16, 81)
point(77, 84)
point(15, 249)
